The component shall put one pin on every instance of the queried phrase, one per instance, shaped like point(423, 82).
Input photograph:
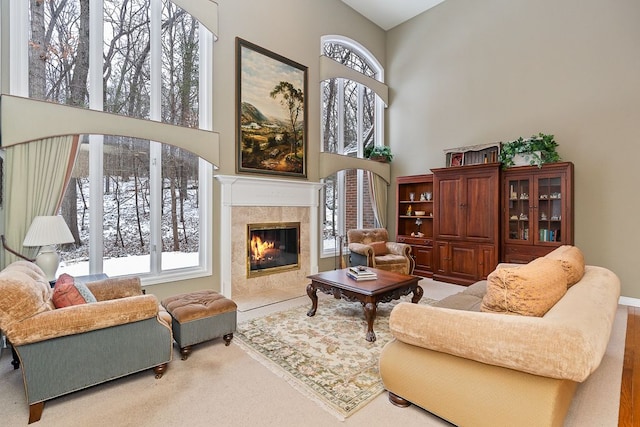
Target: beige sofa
point(478, 368)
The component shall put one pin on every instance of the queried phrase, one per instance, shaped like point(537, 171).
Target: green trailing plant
point(378, 153)
point(537, 150)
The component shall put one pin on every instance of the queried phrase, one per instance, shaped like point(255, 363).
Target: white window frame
point(19, 85)
point(379, 135)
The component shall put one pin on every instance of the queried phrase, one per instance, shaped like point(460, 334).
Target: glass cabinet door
point(549, 212)
point(519, 210)
point(537, 210)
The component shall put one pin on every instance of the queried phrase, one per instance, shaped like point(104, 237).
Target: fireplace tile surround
point(247, 199)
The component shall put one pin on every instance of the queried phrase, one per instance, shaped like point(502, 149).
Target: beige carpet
point(224, 386)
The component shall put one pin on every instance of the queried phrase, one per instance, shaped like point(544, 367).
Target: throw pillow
point(528, 290)
point(379, 248)
point(572, 261)
point(66, 292)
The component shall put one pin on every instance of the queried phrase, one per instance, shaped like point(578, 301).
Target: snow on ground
point(137, 264)
point(133, 257)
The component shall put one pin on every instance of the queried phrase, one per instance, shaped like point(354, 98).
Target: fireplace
point(272, 248)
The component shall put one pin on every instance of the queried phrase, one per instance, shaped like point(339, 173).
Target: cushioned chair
point(62, 350)
point(371, 247)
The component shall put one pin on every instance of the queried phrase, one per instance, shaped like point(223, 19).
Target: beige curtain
point(378, 194)
point(37, 174)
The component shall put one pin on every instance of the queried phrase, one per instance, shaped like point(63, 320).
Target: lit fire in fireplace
point(259, 248)
point(272, 247)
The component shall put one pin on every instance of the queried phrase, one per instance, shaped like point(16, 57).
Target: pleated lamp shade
point(46, 231)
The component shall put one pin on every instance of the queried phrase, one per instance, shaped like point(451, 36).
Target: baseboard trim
point(634, 302)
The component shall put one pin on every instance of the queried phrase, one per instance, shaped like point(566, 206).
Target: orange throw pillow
point(66, 292)
point(379, 248)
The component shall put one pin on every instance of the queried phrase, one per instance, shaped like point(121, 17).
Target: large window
point(351, 120)
point(134, 206)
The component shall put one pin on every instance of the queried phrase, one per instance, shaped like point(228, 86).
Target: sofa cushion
point(469, 300)
point(528, 290)
point(379, 248)
point(572, 261)
point(67, 292)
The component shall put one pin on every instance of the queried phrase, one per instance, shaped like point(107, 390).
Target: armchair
point(62, 350)
point(370, 247)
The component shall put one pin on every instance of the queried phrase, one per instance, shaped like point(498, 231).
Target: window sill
point(174, 276)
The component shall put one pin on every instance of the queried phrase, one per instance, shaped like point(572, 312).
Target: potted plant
point(379, 153)
point(536, 150)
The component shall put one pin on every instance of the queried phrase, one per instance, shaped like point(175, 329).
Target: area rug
point(326, 357)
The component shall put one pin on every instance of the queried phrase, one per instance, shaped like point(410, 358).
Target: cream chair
point(371, 247)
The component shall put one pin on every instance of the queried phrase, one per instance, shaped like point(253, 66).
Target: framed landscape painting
point(271, 112)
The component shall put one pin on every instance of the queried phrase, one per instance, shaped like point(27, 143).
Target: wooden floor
point(629, 415)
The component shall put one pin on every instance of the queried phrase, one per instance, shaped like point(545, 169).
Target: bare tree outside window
point(58, 72)
point(346, 129)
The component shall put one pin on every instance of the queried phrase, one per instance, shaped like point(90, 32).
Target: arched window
point(352, 119)
point(140, 58)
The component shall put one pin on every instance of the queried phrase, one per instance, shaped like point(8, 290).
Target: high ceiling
point(389, 13)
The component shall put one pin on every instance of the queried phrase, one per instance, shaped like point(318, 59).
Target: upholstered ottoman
point(200, 316)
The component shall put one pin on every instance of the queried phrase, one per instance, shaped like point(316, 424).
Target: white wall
point(468, 72)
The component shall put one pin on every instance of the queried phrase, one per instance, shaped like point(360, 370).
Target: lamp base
point(48, 261)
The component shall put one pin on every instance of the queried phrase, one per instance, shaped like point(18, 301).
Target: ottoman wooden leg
point(185, 352)
point(227, 339)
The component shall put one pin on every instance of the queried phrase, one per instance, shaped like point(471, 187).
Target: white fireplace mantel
point(239, 190)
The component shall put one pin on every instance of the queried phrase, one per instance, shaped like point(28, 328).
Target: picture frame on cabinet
point(457, 159)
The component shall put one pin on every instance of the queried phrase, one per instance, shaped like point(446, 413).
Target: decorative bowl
point(420, 213)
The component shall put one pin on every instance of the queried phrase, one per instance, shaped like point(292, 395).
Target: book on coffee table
point(361, 273)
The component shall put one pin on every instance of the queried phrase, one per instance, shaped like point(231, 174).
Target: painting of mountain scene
point(271, 112)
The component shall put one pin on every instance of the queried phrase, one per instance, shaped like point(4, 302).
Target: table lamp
point(47, 231)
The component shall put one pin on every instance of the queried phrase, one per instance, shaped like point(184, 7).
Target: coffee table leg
point(370, 315)
point(311, 291)
point(417, 294)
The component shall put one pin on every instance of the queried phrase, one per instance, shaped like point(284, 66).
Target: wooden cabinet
point(464, 263)
point(466, 222)
point(537, 210)
point(414, 221)
point(479, 215)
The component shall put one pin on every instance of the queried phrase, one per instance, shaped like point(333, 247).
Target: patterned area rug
point(326, 356)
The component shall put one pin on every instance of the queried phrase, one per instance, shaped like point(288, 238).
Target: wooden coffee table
point(388, 286)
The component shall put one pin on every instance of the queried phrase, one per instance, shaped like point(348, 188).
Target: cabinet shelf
point(421, 247)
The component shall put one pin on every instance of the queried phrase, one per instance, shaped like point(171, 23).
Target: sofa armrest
point(81, 318)
point(116, 287)
point(397, 248)
point(567, 343)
